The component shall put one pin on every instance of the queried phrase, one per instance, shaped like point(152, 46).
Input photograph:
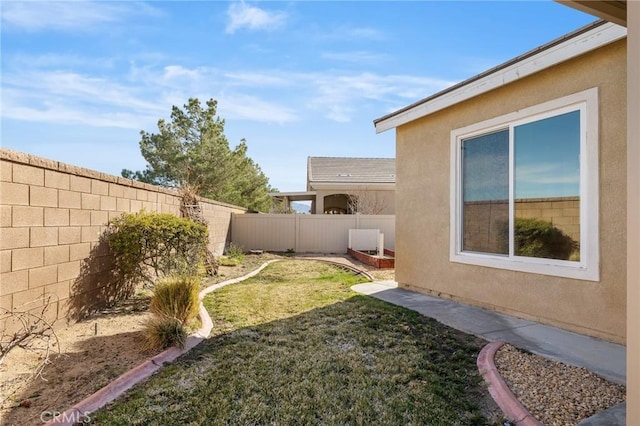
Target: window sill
point(556, 268)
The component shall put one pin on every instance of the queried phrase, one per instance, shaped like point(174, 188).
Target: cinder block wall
point(52, 215)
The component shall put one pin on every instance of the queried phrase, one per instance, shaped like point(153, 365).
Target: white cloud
point(178, 72)
point(68, 15)
point(68, 85)
point(256, 79)
point(547, 174)
point(61, 114)
point(247, 107)
point(343, 95)
point(243, 16)
point(147, 92)
point(71, 98)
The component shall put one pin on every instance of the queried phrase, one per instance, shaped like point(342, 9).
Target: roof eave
point(370, 186)
point(612, 11)
point(577, 43)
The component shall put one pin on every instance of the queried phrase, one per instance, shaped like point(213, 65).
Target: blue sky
point(80, 79)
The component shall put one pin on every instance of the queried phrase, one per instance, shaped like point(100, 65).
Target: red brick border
point(499, 390)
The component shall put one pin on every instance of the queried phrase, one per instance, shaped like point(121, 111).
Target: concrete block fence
point(52, 216)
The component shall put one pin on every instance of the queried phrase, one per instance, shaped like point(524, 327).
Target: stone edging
point(82, 410)
point(499, 390)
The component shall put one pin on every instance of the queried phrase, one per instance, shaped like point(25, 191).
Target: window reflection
point(547, 188)
point(485, 177)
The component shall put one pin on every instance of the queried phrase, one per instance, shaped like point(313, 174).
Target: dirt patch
point(92, 353)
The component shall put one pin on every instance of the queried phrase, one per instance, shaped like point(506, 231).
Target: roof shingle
point(351, 170)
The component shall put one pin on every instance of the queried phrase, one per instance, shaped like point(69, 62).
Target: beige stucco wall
point(422, 217)
point(633, 207)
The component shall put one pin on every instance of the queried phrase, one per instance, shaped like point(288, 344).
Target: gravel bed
point(553, 392)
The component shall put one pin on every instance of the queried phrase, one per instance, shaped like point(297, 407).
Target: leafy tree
point(193, 150)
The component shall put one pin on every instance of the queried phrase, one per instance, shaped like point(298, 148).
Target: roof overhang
point(570, 46)
point(612, 11)
point(353, 186)
point(294, 196)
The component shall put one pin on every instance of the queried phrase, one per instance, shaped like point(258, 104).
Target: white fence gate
point(306, 233)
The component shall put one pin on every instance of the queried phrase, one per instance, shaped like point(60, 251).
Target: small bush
point(163, 332)
point(176, 297)
point(234, 251)
point(149, 245)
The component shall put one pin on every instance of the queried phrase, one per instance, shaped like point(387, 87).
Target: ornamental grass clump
point(174, 308)
point(177, 297)
point(164, 332)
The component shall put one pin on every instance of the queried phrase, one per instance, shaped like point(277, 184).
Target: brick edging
point(499, 390)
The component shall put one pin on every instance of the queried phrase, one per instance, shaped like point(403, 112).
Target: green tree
point(193, 150)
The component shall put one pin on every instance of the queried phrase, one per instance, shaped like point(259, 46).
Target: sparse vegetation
point(228, 261)
point(234, 251)
point(29, 328)
point(234, 256)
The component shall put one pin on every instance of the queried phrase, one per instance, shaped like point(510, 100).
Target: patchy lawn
point(295, 345)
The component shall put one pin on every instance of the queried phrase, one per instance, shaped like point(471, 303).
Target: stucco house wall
point(595, 308)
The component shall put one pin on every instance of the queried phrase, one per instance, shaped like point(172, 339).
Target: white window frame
point(588, 268)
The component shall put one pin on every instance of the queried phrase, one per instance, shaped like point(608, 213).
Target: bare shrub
point(28, 328)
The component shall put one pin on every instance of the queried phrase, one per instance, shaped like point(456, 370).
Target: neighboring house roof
point(576, 43)
point(346, 170)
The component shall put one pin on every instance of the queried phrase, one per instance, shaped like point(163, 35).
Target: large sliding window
point(525, 190)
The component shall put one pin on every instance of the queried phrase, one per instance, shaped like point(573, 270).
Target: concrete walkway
point(603, 358)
